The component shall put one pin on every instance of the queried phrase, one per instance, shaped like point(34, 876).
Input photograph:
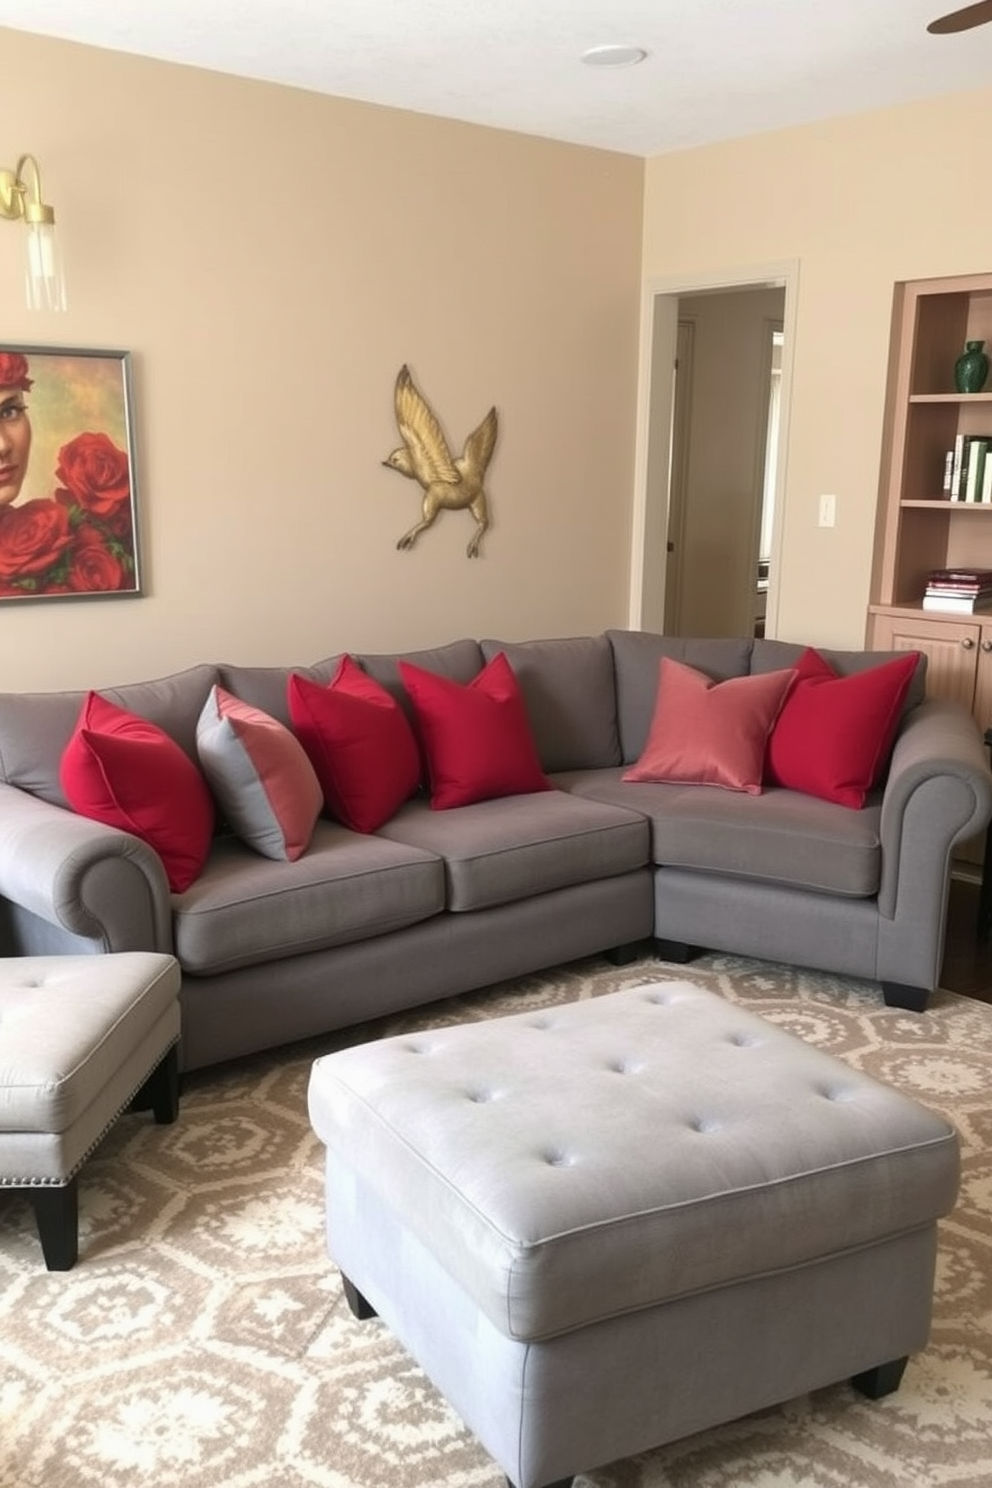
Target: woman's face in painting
point(15, 443)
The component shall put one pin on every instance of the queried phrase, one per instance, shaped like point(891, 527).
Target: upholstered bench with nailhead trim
point(81, 1039)
point(611, 1224)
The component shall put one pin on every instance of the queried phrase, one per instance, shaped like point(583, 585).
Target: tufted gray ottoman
point(605, 1226)
point(81, 1038)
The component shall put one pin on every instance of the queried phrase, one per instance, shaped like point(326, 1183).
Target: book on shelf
point(960, 462)
point(961, 591)
point(971, 578)
point(959, 604)
point(973, 469)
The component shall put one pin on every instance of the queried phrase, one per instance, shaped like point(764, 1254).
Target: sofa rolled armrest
point(938, 792)
point(90, 881)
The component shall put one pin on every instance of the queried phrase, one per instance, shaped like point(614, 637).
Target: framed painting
point(68, 509)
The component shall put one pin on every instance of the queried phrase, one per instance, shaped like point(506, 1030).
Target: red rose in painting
point(33, 538)
point(93, 568)
point(94, 472)
point(14, 370)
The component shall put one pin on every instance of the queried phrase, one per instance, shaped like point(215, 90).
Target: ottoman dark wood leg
point(360, 1306)
point(160, 1092)
point(881, 1380)
point(57, 1213)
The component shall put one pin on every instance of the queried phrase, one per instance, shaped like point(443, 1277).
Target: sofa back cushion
point(771, 656)
point(35, 727)
point(459, 661)
point(267, 687)
point(570, 696)
point(637, 659)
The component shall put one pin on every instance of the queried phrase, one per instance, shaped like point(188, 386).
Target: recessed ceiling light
point(614, 56)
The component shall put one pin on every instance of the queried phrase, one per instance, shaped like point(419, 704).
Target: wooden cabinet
point(959, 654)
point(918, 527)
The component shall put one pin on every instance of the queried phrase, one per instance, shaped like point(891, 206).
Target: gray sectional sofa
point(440, 902)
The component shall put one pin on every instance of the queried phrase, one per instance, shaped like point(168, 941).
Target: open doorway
point(707, 537)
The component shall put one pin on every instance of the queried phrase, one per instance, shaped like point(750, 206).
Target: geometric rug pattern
point(203, 1339)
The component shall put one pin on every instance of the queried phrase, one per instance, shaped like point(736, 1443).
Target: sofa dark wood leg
point(898, 995)
point(361, 1308)
point(881, 1380)
point(56, 1211)
point(676, 950)
point(160, 1092)
point(560, 1483)
point(623, 955)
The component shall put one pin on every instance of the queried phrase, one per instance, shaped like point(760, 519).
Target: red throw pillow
point(476, 738)
point(833, 736)
point(122, 770)
point(360, 744)
point(710, 733)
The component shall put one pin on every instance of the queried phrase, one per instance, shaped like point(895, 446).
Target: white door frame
point(652, 461)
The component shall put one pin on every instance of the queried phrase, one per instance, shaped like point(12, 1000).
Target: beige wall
point(860, 203)
point(271, 258)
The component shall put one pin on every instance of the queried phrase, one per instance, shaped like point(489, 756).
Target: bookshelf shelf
point(961, 399)
point(942, 504)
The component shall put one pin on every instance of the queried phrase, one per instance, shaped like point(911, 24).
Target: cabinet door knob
point(967, 643)
point(987, 645)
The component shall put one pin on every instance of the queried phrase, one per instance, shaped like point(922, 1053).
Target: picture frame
point(68, 476)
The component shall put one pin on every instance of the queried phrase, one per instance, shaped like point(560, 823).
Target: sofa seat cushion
point(245, 909)
point(781, 836)
point(512, 848)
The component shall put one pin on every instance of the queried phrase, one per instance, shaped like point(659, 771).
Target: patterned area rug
point(203, 1339)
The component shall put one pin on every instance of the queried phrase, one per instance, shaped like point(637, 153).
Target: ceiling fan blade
point(962, 20)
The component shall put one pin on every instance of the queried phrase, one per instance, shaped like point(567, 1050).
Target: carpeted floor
point(203, 1339)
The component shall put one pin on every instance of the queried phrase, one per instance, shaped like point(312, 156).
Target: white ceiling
point(716, 69)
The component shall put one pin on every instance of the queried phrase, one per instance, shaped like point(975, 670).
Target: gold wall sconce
point(20, 201)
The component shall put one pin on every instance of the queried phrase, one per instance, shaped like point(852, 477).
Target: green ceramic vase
point(971, 368)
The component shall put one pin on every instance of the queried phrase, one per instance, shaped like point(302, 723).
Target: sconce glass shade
point(21, 201)
point(44, 280)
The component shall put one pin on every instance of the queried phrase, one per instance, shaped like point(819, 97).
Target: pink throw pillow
point(359, 742)
point(121, 770)
point(710, 733)
point(476, 738)
point(834, 734)
point(261, 776)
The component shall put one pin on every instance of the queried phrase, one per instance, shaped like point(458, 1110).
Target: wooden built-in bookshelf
point(918, 527)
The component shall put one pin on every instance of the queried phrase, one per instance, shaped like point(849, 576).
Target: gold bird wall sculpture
point(448, 485)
